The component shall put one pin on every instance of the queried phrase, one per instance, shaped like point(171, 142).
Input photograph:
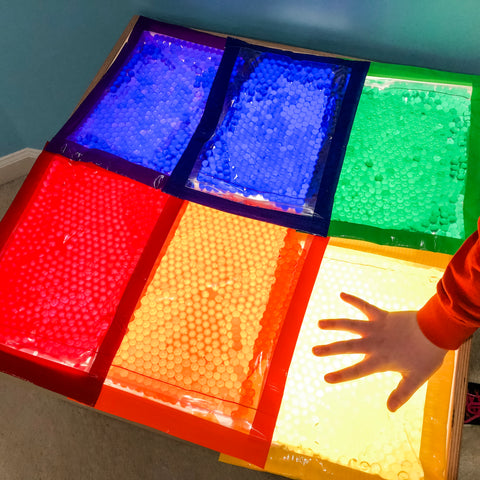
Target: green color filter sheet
point(403, 177)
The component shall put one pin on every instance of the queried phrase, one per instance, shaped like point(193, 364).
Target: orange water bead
point(216, 277)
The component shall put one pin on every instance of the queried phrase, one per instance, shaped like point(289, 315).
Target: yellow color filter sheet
point(345, 431)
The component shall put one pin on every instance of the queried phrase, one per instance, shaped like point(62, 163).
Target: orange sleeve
point(453, 314)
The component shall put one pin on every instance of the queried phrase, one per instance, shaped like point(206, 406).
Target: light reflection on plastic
point(348, 424)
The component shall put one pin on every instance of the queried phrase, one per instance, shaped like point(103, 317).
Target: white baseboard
point(17, 164)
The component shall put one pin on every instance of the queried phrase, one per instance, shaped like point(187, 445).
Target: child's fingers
point(339, 348)
point(360, 327)
point(367, 308)
point(405, 389)
point(354, 372)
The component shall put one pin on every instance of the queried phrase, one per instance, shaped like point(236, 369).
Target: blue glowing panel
point(278, 131)
point(268, 145)
point(151, 105)
point(152, 108)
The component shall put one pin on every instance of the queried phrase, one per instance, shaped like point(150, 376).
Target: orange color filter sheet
point(203, 336)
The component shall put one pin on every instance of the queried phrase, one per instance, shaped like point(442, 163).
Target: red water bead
point(64, 268)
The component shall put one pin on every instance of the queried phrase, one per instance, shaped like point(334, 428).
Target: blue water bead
point(282, 120)
point(156, 93)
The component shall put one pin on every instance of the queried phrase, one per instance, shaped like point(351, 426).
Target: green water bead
point(410, 152)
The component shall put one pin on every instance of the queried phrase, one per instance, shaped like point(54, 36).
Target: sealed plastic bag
point(75, 249)
point(271, 142)
point(209, 345)
point(403, 180)
point(139, 118)
point(345, 430)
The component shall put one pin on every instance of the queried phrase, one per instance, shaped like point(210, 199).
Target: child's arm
point(453, 314)
point(413, 343)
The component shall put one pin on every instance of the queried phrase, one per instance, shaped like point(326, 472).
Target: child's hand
point(391, 341)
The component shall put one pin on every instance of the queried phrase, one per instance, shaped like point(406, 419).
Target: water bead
point(394, 142)
point(158, 97)
point(63, 303)
point(225, 334)
point(272, 135)
point(361, 436)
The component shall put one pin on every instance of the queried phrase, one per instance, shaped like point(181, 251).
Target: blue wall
point(51, 50)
